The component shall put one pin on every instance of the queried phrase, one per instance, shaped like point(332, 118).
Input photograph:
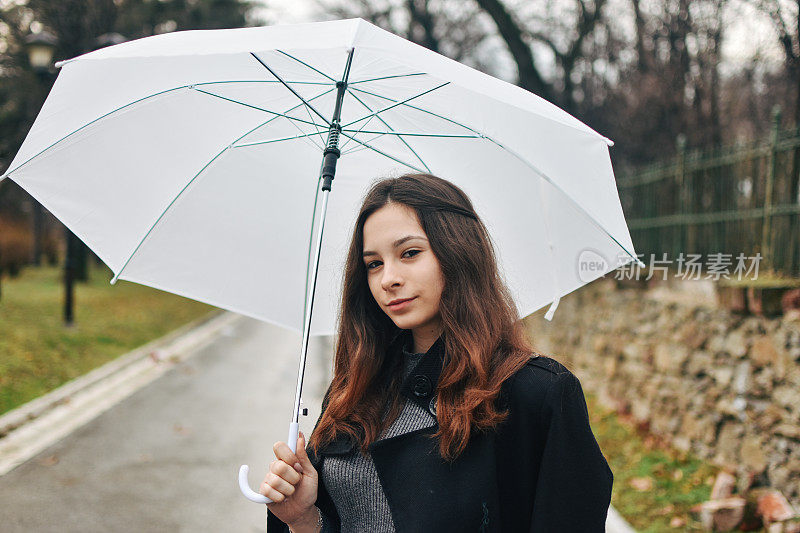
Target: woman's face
point(401, 265)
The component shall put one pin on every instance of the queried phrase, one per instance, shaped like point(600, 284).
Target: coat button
point(422, 386)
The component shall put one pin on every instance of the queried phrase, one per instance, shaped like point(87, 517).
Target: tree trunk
point(510, 31)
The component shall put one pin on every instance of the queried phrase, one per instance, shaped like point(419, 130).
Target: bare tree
point(640, 71)
point(785, 17)
point(449, 27)
point(513, 33)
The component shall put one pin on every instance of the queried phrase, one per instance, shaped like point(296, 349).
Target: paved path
point(166, 458)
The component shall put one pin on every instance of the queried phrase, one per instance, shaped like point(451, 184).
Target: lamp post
point(40, 47)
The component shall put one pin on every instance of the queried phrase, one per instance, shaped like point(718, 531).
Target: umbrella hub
point(332, 153)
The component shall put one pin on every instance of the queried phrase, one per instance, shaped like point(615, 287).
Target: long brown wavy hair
point(484, 339)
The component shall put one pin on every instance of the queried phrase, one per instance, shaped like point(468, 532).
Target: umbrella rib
point(277, 117)
point(305, 64)
point(175, 199)
point(359, 100)
point(356, 132)
point(251, 106)
point(269, 141)
point(363, 145)
point(312, 108)
point(89, 124)
point(522, 159)
point(264, 81)
point(397, 104)
point(605, 139)
point(419, 109)
point(408, 134)
point(319, 132)
point(388, 77)
point(409, 165)
point(319, 147)
point(8, 173)
point(562, 191)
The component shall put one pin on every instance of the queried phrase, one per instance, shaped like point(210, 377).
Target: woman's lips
point(402, 305)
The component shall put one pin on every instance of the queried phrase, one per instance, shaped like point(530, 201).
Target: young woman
point(440, 416)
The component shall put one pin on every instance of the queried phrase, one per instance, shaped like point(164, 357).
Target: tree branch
point(510, 31)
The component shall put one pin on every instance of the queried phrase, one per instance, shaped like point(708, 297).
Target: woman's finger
point(279, 484)
point(284, 453)
point(302, 456)
point(267, 490)
point(285, 471)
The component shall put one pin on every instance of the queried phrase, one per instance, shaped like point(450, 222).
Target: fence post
point(680, 177)
point(766, 237)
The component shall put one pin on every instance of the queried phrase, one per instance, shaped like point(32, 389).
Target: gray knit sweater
point(352, 480)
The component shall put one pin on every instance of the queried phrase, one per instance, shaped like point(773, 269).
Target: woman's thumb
point(301, 454)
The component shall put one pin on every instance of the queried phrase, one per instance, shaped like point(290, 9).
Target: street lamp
point(40, 47)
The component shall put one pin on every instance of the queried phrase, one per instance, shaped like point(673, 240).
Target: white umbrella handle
point(244, 486)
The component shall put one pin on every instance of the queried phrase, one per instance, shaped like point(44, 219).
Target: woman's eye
point(373, 264)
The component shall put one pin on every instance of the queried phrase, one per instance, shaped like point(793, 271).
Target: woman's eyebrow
point(396, 243)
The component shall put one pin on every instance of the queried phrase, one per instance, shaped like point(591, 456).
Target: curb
point(31, 427)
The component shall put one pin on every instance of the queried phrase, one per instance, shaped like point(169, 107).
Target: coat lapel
point(422, 489)
point(419, 387)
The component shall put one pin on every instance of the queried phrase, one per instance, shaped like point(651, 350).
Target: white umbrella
point(189, 162)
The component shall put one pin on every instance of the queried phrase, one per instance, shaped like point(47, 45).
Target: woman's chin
point(404, 322)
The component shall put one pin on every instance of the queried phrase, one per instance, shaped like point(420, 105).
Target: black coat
point(539, 471)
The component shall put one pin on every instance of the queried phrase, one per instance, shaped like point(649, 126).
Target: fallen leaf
point(677, 521)
point(667, 509)
point(641, 483)
point(69, 481)
point(50, 460)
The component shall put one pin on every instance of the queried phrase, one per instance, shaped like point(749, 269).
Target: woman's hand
point(291, 483)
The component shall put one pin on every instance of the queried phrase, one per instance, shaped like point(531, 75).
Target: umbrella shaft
point(331, 155)
point(310, 304)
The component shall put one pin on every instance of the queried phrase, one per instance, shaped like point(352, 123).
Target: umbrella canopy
point(190, 162)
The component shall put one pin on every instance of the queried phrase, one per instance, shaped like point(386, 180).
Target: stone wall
point(725, 387)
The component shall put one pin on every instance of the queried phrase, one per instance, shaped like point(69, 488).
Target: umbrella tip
point(549, 314)
point(608, 141)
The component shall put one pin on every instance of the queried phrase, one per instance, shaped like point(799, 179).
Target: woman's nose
point(391, 276)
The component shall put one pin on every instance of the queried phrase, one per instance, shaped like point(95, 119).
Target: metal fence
point(735, 200)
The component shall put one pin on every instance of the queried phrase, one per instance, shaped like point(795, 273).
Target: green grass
point(678, 479)
point(38, 354)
